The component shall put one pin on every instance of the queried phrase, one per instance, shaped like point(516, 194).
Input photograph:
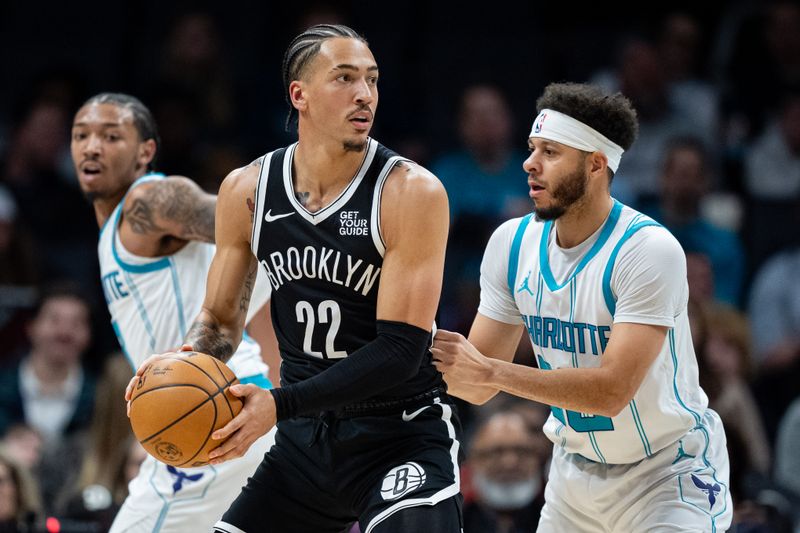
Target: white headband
point(564, 129)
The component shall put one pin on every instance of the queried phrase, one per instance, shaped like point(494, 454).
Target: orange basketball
point(178, 403)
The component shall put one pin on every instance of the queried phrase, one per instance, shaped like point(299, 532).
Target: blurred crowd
point(717, 162)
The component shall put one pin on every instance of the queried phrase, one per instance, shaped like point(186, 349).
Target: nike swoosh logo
point(269, 217)
point(412, 416)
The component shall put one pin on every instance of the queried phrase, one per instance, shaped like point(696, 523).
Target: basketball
point(178, 403)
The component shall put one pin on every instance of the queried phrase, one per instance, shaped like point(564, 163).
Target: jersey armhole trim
point(513, 257)
point(150, 176)
point(375, 217)
point(608, 294)
point(260, 200)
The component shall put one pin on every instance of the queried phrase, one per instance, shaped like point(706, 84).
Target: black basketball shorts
point(327, 472)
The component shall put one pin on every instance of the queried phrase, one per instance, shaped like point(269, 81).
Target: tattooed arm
point(217, 330)
point(160, 216)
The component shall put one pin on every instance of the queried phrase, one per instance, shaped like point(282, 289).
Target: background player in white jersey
point(156, 244)
point(602, 293)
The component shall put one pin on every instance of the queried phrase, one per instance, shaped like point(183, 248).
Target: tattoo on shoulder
point(302, 197)
point(257, 163)
point(196, 219)
point(140, 216)
point(251, 205)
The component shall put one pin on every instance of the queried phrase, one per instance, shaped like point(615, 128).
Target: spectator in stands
point(48, 388)
point(506, 476)
point(19, 499)
point(685, 181)
point(485, 182)
point(727, 354)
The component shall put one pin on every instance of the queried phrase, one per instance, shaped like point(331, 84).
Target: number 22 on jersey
point(327, 312)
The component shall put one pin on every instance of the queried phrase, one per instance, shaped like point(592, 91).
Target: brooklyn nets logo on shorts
point(401, 480)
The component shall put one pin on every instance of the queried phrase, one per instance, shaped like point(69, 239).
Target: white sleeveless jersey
point(630, 270)
point(154, 300)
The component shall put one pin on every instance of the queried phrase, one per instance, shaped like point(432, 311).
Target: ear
point(147, 151)
point(297, 95)
point(597, 164)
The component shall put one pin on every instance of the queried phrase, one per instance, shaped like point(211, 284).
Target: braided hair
point(303, 49)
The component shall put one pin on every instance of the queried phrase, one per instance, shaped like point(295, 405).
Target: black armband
point(393, 357)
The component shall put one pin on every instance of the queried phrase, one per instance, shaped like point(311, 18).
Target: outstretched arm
point(173, 207)
point(604, 390)
point(496, 339)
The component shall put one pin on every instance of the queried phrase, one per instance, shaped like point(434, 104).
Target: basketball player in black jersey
point(352, 237)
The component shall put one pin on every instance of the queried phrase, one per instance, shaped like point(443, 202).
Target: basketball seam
point(208, 436)
point(195, 408)
point(229, 383)
point(201, 369)
point(210, 397)
point(161, 387)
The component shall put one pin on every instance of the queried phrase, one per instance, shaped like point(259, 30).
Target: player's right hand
point(143, 367)
point(256, 418)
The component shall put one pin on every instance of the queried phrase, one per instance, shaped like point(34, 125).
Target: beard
point(354, 146)
point(570, 191)
point(106, 194)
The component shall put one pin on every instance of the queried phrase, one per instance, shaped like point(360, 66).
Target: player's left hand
point(459, 361)
point(143, 368)
point(256, 418)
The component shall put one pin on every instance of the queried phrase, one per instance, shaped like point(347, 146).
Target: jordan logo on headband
point(537, 128)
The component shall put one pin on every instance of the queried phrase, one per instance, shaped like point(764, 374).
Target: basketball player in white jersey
point(601, 291)
point(156, 244)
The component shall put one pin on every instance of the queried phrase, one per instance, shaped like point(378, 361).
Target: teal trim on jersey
point(147, 177)
point(593, 440)
point(671, 336)
point(121, 342)
point(112, 216)
point(130, 267)
point(142, 311)
point(544, 260)
point(640, 428)
point(723, 496)
point(258, 379)
point(176, 287)
point(539, 293)
point(634, 220)
point(608, 294)
point(513, 257)
point(573, 289)
point(701, 427)
point(558, 434)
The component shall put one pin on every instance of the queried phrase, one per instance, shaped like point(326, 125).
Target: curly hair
point(612, 115)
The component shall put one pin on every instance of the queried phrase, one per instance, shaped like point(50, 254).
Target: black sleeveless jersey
point(325, 268)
